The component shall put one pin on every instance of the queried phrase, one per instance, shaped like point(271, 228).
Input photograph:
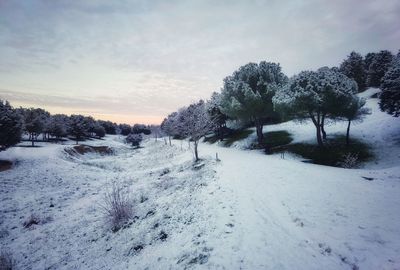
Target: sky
point(137, 61)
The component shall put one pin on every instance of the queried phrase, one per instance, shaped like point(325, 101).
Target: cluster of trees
point(35, 122)
point(260, 93)
point(380, 69)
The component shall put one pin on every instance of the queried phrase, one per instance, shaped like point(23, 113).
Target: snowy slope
point(247, 211)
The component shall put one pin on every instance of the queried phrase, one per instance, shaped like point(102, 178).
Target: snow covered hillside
point(247, 211)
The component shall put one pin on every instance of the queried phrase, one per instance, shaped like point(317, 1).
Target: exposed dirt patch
point(83, 149)
point(5, 165)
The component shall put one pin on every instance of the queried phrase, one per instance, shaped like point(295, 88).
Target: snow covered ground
point(247, 211)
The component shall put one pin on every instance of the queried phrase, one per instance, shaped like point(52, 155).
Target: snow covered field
point(247, 211)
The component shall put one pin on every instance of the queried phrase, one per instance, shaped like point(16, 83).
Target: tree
point(218, 118)
point(125, 129)
point(353, 67)
point(168, 125)
point(34, 123)
point(110, 127)
point(134, 139)
point(58, 126)
point(78, 127)
point(378, 67)
point(390, 96)
point(10, 125)
point(99, 131)
point(351, 111)
point(196, 123)
point(247, 93)
point(315, 95)
point(140, 128)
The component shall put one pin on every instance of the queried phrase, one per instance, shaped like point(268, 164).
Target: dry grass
point(117, 206)
point(6, 261)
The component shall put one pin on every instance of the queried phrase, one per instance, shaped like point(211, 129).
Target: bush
point(276, 138)
point(350, 160)
point(6, 261)
point(32, 220)
point(134, 139)
point(117, 206)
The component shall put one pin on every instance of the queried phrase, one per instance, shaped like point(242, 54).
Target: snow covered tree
point(99, 131)
point(168, 126)
point(110, 127)
point(352, 109)
point(196, 123)
point(58, 126)
point(353, 67)
point(378, 67)
point(140, 128)
point(247, 93)
point(125, 129)
point(217, 117)
point(315, 95)
point(390, 96)
point(34, 123)
point(10, 125)
point(134, 139)
point(78, 127)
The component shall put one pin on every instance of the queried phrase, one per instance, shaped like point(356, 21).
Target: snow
point(247, 211)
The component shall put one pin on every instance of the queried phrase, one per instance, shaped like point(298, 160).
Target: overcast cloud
point(136, 61)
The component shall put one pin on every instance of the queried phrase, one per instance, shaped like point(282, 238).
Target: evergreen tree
point(315, 95)
point(247, 93)
point(34, 123)
point(58, 126)
point(10, 125)
point(218, 118)
point(125, 129)
point(378, 67)
point(78, 127)
point(390, 96)
point(99, 131)
point(353, 67)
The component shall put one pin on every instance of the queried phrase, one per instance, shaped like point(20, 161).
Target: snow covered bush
point(99, 131)
point(247, 93)
point(117, 206)
point(315, 95)
point(6, 261)
point(350, 160)
point(390, 96)
point(134, 139)
point(10, 125)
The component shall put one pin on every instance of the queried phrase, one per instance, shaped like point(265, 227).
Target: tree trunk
point(33, 141)
point(317, 124)
point(259, 129)
point(322, 127)
point(169, 138)
point(348, 133)
point(196, 154)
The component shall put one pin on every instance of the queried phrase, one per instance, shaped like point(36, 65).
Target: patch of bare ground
point(84, 149)
point(5, 165)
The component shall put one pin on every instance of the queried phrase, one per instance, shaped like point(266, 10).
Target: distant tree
point(196, 123)
point(34, 123)
point(218, 118)
point(125, 129)
point(378, 67)
point(390, 96)
point(169, 127)
point(315, 95)
point(134, 139)
point(155, 130)
point(58, 126)
point(369, 57)
point(78, 127)
point(247, 93)
point(10, 125)
point(141, 129)
point(99, 131)
point(353, 67)
point(110, 127)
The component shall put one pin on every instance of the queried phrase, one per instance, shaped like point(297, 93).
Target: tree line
point(35, 122)
point(260, 93)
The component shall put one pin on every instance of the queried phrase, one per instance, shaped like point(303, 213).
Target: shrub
point(350, 160)
point(6, 261)
point(134, 139)
point(117, 206)
point(32, 220)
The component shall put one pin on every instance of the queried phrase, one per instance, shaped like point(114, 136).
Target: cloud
point(164, 54)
